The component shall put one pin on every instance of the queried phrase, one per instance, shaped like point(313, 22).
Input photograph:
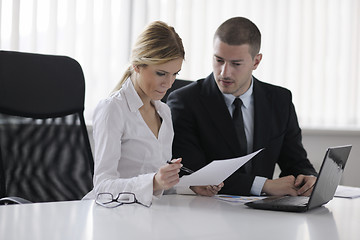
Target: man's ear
point(257, 60)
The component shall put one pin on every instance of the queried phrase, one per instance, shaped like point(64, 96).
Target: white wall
point(316, 142)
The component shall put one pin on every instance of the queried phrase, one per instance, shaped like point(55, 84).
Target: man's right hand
point(280, 186)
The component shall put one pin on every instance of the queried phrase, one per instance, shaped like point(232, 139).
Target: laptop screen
point(329, 176)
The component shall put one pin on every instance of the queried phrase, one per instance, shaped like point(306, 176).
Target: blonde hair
point(157, 44)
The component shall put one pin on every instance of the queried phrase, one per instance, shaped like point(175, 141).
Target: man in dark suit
point(206, 129)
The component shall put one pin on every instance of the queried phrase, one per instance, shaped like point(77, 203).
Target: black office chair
point(45, 153)
point(179, 83)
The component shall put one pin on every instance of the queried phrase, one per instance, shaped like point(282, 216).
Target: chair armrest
point(13, 200)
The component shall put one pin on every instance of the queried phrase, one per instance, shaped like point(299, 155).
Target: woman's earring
point(136, 68)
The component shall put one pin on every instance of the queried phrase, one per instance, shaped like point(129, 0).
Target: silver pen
point(182, 168)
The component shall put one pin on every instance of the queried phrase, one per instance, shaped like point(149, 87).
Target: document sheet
point(215, 172)
point(347, 192)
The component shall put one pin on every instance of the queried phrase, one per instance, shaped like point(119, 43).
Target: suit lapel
point(213, 101)
point(262, 115)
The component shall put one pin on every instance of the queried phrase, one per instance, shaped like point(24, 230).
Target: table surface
point(177, 217)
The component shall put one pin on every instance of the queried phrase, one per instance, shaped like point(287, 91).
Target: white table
point(177, 217)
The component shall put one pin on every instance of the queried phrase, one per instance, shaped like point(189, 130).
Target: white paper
point(347, 192)
point(215, 172)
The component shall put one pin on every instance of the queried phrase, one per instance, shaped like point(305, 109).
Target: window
point(309, 47)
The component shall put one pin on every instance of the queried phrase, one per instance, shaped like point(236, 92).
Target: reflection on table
point(177, 217)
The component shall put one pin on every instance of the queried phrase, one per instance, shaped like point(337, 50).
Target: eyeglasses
point(107, 199)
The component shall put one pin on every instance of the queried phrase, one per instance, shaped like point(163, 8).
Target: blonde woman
point(133, 130)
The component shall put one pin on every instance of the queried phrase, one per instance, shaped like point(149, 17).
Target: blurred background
point(310, 47)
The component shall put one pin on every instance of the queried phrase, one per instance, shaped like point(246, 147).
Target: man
point(206, 130)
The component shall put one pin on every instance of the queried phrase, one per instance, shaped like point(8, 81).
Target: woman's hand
point(209, 190)
point(167, 176)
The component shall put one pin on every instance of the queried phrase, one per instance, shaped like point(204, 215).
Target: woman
point(133, 130)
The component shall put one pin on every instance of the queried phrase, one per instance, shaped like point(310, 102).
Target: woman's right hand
point(167, 176)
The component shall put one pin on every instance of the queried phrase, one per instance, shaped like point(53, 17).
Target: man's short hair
point(238, 31)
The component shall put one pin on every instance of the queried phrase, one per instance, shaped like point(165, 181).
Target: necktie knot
point(237, 103)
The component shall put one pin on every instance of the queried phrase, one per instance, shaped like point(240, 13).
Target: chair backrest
point(179, 83)
point(45, 153)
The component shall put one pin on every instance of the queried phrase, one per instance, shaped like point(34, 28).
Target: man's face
point(233, 66)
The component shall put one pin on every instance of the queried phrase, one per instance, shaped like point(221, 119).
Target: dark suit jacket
point(204, 132)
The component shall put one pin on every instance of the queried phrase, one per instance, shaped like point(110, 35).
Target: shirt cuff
point(257, 186)
point(158, 193)
point(143, 189)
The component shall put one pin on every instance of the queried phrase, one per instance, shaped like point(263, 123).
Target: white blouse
point(127, 154)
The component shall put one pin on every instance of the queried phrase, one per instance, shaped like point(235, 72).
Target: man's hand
point(304, 184)
point(209, 190)
point(280, 186)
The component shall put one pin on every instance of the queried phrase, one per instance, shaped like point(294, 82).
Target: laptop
point(324, 188)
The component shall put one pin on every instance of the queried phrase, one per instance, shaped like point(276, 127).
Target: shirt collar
point(245, 98)
point(133, 98)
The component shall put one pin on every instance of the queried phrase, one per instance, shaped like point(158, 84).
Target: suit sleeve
point(293, 157)
point(186, 142)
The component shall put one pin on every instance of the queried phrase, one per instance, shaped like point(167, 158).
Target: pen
point(182, 168)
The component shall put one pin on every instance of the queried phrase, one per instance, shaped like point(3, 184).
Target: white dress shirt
point(127, 154)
